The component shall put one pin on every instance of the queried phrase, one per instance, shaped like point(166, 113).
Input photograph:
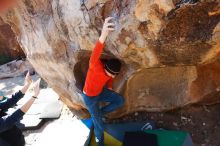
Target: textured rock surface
point(15, 68)
point(9, 47)
point(169, 48)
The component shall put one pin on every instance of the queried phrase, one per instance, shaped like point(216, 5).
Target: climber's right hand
point(108, 26)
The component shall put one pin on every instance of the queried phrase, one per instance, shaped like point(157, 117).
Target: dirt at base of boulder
point(202, 122)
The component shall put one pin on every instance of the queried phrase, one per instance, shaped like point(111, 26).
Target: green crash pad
point(172, 138)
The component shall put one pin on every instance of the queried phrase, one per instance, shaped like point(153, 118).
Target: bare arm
point(24, 89)
point(97, 51)
point(27, 83)
point(17, 96)
point(107, 27)
point(28, 104)
point(9, 121)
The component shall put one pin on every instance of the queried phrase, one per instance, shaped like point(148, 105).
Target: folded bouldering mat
point(30, 122)
point(172, 138)
point(139, 138)
point(35, 119)
point(66, 132)
point(46, 107)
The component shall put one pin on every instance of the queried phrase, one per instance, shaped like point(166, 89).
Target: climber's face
point(109, 74)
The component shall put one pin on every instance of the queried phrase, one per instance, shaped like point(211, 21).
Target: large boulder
point(9, 47)
point(169, 48)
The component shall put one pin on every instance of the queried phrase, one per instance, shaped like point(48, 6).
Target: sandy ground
point(202, 122)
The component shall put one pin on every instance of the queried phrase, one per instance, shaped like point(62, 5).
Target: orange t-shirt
point(96, 77)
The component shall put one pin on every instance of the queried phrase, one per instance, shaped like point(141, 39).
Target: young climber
point(9, 133)
point(98, 76)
